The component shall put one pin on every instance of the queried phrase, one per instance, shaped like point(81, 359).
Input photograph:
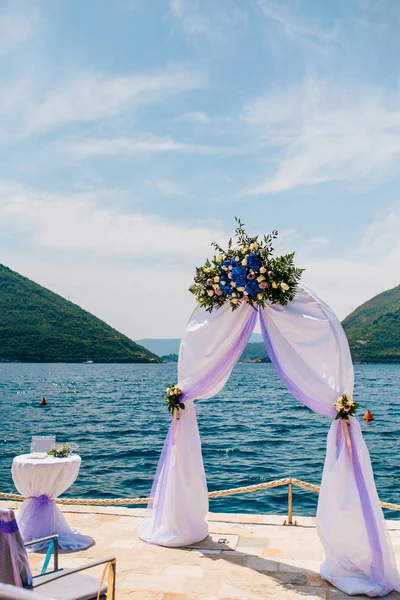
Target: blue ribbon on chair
point(9, 527)
point(48, 556)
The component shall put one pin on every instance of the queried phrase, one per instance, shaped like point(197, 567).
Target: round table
point(40, 481)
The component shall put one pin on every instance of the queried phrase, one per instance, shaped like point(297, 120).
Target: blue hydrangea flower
point(229, 263)
point(252, 287)
point(254, 262)
point(239, 275)
point(225, 286)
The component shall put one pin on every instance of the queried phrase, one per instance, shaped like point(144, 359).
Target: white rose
point(220, 258)
point(263, 270)
point(237, 258)
point(244, 262)
point(284, 287)
point(234, 300)
point(210, 293)
point(216, 279)
point(259, 296)
point(233, 283)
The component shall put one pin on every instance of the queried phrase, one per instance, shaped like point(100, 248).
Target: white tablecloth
point(40, 481)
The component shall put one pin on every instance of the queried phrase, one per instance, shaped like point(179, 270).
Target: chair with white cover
point(60, 584)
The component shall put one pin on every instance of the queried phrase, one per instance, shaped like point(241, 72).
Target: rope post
point(290, 503)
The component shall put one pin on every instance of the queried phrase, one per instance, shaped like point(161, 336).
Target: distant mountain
point(37, 325)
point(255, 352)
point(161, 347)
point(170, 358)
point(165, 346)
point(373, 329)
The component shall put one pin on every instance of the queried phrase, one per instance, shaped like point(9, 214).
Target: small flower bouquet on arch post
point(173, 399)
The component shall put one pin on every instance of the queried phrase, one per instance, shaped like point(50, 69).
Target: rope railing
point(289, 481)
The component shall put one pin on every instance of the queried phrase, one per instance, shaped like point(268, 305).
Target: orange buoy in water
point(43, 402)
point(368, 416)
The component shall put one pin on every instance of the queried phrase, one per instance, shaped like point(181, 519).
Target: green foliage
point(373, 329)
point(37, 325)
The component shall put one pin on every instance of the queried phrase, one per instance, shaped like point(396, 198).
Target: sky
point(132, 132)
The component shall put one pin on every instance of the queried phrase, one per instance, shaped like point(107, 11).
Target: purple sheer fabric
point(377, 565)
point(222, 368)
point(306, 340)
point(38, 520)
point(218, 372)
point(39, 517)
point(14, 565)
point(291, 386)
point(10, 527)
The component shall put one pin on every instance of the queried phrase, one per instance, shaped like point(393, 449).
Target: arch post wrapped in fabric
point(308, 347)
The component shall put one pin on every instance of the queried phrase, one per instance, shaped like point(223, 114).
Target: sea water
point(252, 432)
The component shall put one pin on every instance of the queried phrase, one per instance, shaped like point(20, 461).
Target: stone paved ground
point(251, 557)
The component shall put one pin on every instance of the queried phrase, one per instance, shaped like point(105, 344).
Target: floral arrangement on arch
point(346, 407)
point(246, 272)
point(173, 398)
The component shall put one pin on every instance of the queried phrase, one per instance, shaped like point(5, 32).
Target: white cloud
point(145, 144)
point(216, 24)
point(99, 258)
point(165, 186)
point(79, 224)
point(197, 116)
point(327, 133)
point(79, 249)
point(15, 28)
point(297, 28)
point(371, 267)
point(89, 97)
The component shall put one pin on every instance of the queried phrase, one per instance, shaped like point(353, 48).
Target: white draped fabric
point(40, 481)
point(359, 553)
point(309, 349)
point(212, 344)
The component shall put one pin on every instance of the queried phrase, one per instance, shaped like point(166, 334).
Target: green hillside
point(373, 329)
point(255, 352)
point(37, 325)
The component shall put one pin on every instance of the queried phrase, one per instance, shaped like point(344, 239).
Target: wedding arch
point(308, 348)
